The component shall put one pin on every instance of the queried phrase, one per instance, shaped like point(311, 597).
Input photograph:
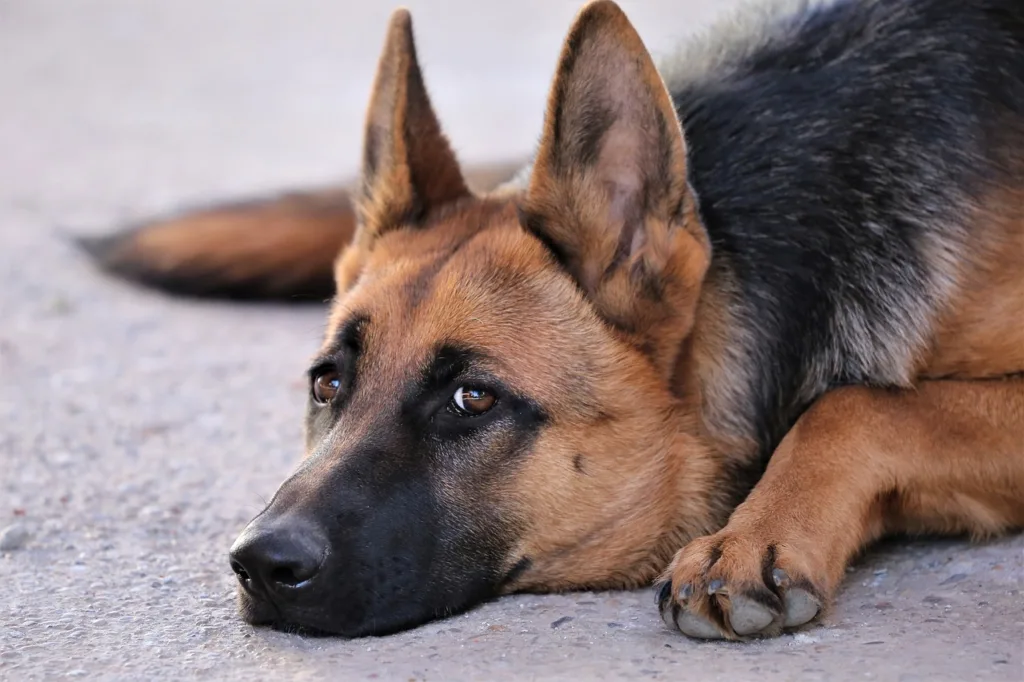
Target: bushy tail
point(279, 248)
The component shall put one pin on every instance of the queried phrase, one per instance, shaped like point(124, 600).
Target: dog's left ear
point(609, 193)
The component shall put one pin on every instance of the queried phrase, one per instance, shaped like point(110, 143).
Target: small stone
point(13, 537)
point(955, 578)
point(150, 512)
point(60, 305)
point(62, 460)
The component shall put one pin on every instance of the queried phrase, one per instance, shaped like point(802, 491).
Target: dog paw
point(735, 586)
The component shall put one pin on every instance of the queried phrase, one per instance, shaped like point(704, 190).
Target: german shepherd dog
point(737, 319)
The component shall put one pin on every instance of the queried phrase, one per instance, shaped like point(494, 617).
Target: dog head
point(494, 406)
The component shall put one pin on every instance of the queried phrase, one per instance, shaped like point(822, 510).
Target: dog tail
point(279, 248)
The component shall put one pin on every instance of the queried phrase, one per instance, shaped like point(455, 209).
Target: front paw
point(737, 585)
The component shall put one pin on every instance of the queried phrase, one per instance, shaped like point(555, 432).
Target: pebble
point(801, 638)
point(13, 537)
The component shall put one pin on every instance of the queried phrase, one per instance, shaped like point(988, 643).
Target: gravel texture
point(139, 433)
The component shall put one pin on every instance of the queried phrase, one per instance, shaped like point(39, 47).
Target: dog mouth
point(261, 612)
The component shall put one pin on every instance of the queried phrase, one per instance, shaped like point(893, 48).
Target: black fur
point(834, 164)
point(826, 162)
point(400, 550)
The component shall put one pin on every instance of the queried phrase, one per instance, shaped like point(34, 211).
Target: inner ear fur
point(608, 192)
point(408, 165)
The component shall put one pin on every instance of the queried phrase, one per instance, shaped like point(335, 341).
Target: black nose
point(279, 558)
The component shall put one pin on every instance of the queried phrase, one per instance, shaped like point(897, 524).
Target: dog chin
point(259, 612)
point(256, 611)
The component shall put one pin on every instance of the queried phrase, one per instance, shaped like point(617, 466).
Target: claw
point(715, 586)
point(662, 592)
point(668, 611)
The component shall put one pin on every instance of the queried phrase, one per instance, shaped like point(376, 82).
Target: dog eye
point(471, 402)
point(325, 386)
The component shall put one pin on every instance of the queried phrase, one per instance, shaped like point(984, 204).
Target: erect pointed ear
point(408, 165)
point(609, 193)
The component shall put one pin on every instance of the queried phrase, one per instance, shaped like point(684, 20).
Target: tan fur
point(408, 163)
point(982, 334)
point(941, 457)
point(316, 225)
point(713, 375)
point(606, 400)
point(639, 385)
point(587, 284)
point(945, 457)
point(478, 279)
point(613, 251)
point(277, 243)
point(269, 246)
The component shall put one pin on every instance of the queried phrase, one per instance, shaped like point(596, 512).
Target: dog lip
point(256, 609)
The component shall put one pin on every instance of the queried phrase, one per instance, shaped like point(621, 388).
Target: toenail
point(780, 577)
point(663, 592)
point(715, 586)
point(685, 591)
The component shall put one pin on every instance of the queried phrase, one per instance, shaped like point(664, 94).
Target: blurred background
point(158, 100)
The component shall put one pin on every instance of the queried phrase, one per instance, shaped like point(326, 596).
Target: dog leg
point(947, 456)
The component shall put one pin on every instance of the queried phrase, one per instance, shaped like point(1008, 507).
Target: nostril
point(240, 571)
point(285, 575)
point(294, 574)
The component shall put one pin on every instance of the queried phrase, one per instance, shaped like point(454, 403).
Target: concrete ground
point(138, 433)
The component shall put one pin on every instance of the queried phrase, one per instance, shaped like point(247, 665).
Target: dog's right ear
point(608, 193)
point(408, 165)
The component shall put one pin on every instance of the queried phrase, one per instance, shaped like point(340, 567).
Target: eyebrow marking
point(342, 354)
point(350, 337)
point(448, 363)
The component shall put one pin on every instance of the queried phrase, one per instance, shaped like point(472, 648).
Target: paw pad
point(733, 588)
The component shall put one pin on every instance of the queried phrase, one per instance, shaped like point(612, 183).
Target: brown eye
point(472, 401)
point(325, 386)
